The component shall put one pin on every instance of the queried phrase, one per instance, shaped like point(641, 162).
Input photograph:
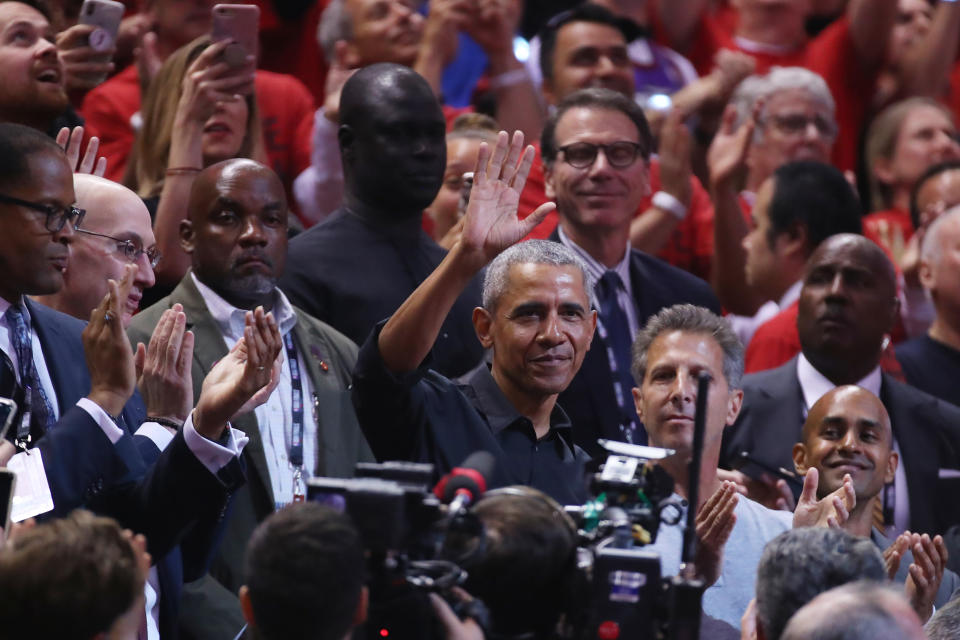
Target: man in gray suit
point(236, 234)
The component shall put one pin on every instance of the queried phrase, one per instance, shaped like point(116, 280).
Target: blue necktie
point(41, 411)
point(619, 345)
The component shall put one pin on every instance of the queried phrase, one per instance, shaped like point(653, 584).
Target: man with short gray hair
point(537, 320)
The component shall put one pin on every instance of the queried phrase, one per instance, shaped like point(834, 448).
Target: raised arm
point(680, 19)
point(871, 22)
point(926, 65)
point(491, 225)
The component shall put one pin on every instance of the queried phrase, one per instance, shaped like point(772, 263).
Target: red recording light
point(384, 633)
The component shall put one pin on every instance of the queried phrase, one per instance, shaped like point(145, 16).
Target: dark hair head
point(799, 564)
point(586, 12)
point(814, 195)
point(528, 569)
point(931, 172)
point(601, 99)
point(304, 568)
point(17, 144)
point(67, 578)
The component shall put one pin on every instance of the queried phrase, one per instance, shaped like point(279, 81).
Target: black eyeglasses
point(129, 249)
point(582, 155)
point(56, 216)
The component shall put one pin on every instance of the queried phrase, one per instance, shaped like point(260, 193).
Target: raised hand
point(70, 141)
point(164, 374)
point(235, 379)
point(715, 521)
point(491, 223)
point(728, 151)
point(832, 511)
point(675, 169)
point(209, 80)
point(83, 66)
point(107, 350)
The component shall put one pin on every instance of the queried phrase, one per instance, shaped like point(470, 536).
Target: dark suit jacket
point(589, 400)
point(340, 441)
point(352, 274)
point(926, 429)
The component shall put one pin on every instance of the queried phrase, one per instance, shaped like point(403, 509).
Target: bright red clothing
point(831, 54)
point(777, 341)
point(691, 245)
point(292, 48)
point(284, 106)
point(890, 229)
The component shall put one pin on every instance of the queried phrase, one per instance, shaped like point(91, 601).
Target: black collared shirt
point(424, 417)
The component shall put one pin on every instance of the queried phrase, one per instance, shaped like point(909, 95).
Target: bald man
point(236, 235)
point(116, 231)
point(847, 308)
point(847, 434)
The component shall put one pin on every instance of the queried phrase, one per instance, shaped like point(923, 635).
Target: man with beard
point(236, 234)
point(359, 266)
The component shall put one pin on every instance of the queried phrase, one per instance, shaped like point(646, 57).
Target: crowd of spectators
point(411, 230)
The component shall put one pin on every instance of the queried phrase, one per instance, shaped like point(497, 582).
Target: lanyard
point(296, 388)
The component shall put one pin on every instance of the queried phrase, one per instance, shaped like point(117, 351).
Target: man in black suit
point(596, 148)
point(361, 263)
point(847, 305)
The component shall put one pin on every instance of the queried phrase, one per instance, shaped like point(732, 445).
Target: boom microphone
point(466, 483)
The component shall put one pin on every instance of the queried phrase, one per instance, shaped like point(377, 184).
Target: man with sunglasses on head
point(115, 232)
point(596, 150)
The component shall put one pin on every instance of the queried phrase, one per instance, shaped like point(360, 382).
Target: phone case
point(105, 14)
point(239, 23)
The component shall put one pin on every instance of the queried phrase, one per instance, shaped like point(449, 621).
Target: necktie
point(618, 343)
point(41, 411)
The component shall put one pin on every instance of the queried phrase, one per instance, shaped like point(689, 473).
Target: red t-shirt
point(831, 54)
point(891, 229)
point(284, 103)
point(691, 245)
point(292, 47)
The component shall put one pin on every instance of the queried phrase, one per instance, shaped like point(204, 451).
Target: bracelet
point(670, 204)
point(182, 171)
point(509, 79)
point(166, 422)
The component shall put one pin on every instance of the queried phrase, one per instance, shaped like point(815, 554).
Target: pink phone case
point(239, 23)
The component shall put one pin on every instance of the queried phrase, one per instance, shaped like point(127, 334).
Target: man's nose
point(253, 232)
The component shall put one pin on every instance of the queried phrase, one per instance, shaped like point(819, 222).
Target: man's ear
point(734, 404)
point(483, 325)
point(890, 471)
point(246, 605)
point(347, 54)
point(793, 243)
point(638, 402)
point(345, 137)
point(186, 235)
point(925, 273)
point(548, 189)
point(800, 458)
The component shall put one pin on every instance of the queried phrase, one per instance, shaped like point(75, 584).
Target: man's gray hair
point(932, 247)
point(779, 79)
point(800, 564)
point(945, 623)
point(693, 319)
point(335, 25)
point(530, 252)
point(862, 610)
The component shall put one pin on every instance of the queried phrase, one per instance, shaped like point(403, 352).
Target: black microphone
point(466, 483)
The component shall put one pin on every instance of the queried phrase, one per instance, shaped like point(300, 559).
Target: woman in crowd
point(199, 110)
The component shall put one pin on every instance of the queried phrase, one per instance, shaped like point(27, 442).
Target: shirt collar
point(489, 399)
point(815, 385)
point(790, 295)
point(594, 267)
point(230, 319)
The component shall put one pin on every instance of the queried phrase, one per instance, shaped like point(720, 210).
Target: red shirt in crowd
point(691, 245)
point(286, 112)
point(891, 229)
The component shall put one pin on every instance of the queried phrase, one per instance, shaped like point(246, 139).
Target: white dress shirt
point(275, 416)
point(814, 386)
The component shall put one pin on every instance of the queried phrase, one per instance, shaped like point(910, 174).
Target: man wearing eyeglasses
point(115, 232)
point(596, 148)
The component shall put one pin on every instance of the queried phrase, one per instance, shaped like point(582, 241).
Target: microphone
point(466, 483)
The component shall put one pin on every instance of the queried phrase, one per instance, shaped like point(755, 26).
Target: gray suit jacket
point(329, 357)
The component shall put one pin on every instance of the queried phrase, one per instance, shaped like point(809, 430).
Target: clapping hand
point(163, 368)
point(107, 350)
point(714, 523)
point(832, 511)
point(70, 141)
point(925, 572)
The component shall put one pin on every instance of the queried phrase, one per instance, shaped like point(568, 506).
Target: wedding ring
point(107, 317)
point(260, 368)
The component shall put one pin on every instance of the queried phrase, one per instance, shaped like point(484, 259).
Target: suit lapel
point(209, 347)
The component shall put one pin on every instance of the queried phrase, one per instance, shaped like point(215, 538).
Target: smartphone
point(755, 468)
point(105, 15)
point(240, 24)
point(8, 482)
point(8, 409)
